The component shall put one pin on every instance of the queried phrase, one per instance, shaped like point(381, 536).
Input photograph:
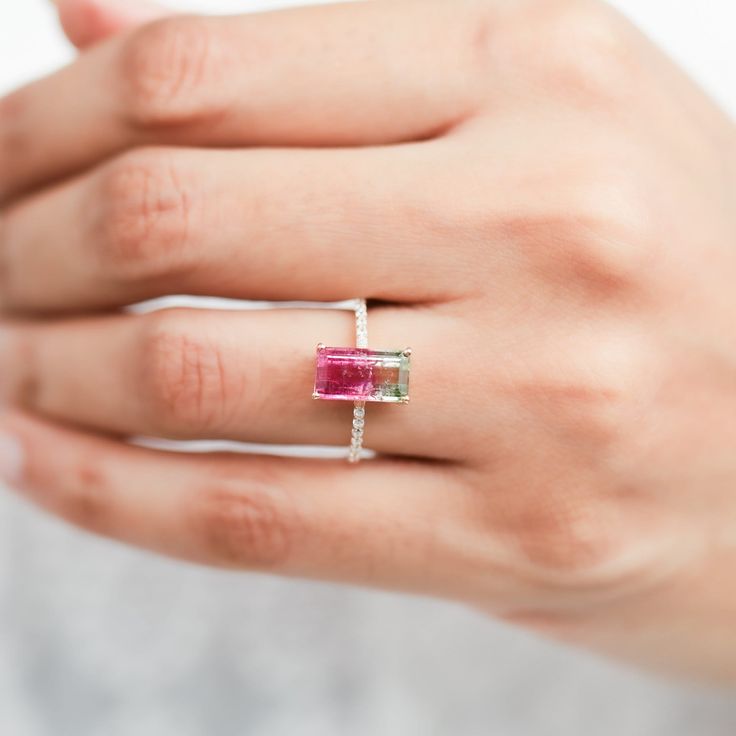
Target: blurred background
point(96, 639)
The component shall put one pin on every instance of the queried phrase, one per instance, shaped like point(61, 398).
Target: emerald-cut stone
point(359, 374)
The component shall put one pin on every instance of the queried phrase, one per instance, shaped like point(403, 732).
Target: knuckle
point(187, 388)
point(613, 241)
point(577, 50)
point(568, 535)
point(590, 397)
point(85, 501)
point(589, 51)
point(15, 143)
point(595, 236)
point(573, 539)
point(26, 386)
point(6, 282)
point(22, 376)
point(142, 224)
point(240, 527)
point(589, 524)
point(168, 68)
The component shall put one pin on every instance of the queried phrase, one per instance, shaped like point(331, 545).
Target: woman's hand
point(539, 204)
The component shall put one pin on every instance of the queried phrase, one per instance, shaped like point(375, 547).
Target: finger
point(87, 22)
point(386, 523)
point(348, 74)
point(266, 224)
point(248, 376)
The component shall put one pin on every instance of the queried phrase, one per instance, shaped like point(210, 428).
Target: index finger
point(353, 74)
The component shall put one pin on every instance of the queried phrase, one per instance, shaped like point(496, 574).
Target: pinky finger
point(386, 523)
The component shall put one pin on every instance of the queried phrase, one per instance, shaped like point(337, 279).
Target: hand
point(537, 202)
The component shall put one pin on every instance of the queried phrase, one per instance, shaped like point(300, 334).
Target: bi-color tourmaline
point(359, 374)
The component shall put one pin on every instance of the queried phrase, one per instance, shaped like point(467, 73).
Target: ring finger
point(246, 376)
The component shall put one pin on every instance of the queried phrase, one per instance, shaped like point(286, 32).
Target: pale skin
point(535, 199)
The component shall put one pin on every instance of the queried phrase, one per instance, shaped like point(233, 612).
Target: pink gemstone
point(358, 374)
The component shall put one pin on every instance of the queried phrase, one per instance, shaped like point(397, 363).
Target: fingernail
point(12, 459)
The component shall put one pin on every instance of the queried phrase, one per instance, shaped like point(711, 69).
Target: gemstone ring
point(361, 375)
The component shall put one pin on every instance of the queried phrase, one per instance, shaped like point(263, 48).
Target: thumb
point(85, 22)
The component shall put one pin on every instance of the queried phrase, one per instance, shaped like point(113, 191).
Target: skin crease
point(537, 201)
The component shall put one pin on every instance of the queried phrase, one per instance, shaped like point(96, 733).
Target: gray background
point(100, 640)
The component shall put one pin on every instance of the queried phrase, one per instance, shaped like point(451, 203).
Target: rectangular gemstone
point(359, 374)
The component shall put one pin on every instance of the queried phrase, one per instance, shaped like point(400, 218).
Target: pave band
point(361, 341)
point(361, 323)
point(361, 375)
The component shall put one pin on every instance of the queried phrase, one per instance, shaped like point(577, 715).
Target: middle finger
point(263, 224)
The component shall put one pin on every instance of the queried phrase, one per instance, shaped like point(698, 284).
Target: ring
point(361, 375)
